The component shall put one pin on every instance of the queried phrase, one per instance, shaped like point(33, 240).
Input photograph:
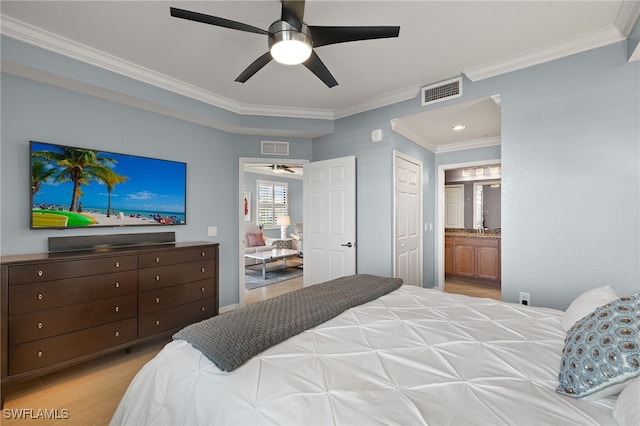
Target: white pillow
point(586, 303)
point(627, 408)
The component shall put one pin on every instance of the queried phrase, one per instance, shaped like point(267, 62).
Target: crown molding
point(570, 46)
point(628, 15)
point(16, 29)
point(379, 101)
point(41, 76)
point(38, 37)
point(461, 146)
point(398, 127)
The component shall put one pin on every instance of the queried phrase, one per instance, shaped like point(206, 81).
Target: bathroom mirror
point(486, 205)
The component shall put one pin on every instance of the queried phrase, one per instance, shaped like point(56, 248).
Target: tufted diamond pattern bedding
point(413, 356)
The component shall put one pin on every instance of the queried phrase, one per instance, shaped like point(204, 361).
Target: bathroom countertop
point(472, 233)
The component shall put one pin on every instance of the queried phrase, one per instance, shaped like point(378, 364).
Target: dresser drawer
point(176, 317)
point(40, 272)
point(54, 294)
point(45, 352)
point(39, 325)
point(164, 276)
point(167, 297)
point(151, 260)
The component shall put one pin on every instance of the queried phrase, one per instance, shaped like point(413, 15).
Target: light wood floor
point(273, 290)
point(451, 286)
point(89, 393)
point(472, 289)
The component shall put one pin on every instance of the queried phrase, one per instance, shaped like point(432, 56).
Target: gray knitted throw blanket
point(231, 339)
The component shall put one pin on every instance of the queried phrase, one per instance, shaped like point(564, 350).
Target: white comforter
point(414, 356)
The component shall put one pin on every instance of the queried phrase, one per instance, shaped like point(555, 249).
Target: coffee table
point(272, 256)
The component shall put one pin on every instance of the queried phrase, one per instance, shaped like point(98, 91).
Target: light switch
point(212, 231)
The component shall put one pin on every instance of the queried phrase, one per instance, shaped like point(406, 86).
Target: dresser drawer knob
point(39, 325)
point(117, 309)
point(157, 260)
point(117, 284)
point(40, 354)
point(157, 322)
point(202, 269)
point(117, 264)
point(157, 300)
point(202, 308)
point(117, 334)
point(157, 277)
point(40, 296)
point(202, 289)
point(40, 273)
point(202, 254)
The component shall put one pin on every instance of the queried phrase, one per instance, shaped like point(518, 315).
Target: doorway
point(242, 163)
point(408, 217)
point(441, 213)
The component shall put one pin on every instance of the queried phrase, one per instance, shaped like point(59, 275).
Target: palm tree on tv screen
point(79, 166)
point(40, 173)
point(111, 179)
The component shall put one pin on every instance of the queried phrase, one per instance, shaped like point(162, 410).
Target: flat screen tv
point(83, 188)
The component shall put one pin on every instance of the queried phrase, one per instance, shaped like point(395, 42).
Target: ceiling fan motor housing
point(298, 43)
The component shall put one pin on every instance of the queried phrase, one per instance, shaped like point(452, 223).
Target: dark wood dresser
point(61, 309)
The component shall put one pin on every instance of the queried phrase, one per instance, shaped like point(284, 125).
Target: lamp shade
point(284, 220)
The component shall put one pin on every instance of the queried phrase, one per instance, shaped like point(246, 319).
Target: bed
point(412, 356)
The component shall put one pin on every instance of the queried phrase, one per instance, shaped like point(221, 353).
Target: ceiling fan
point(280, 168)
point(291, 41)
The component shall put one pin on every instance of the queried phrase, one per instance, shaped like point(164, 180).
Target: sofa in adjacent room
point(255, 242)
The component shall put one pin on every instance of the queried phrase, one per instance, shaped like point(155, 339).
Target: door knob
point(347, 245)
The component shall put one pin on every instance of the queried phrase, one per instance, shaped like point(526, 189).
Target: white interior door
point(408, 220)
point(454, 206)
point(329, 209)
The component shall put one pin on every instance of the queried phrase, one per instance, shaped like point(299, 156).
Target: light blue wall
point(570, 155)
point(37, 111)
point(374, 176)
point(570, 176)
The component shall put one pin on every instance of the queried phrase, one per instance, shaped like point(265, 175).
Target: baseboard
point(228, 308)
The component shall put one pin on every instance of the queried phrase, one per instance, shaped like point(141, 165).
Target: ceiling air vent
point(442, 91)
point(274, 148)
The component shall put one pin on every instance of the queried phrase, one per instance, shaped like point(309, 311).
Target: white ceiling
point(438, 40)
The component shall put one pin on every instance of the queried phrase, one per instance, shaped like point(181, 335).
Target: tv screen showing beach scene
point(79, 187)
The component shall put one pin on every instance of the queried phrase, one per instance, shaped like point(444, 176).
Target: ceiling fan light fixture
point(287, 45)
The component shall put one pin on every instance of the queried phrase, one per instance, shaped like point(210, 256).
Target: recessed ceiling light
point(458, 127)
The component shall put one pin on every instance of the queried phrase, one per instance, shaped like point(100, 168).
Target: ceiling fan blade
point(214, 20)
point(315, 65)
point(293, 13)
point(323, 36)
point(254, 67)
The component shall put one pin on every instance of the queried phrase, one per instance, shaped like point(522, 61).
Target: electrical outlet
point(525, 298)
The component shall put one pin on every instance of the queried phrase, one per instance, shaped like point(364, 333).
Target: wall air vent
point(442, 91)
point(274, 148)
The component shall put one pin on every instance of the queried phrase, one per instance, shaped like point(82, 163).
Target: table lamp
point(284, 222)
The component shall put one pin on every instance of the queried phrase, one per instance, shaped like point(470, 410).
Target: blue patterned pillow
point(602, 350)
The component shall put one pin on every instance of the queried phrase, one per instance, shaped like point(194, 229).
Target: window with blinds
point(272, 202)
